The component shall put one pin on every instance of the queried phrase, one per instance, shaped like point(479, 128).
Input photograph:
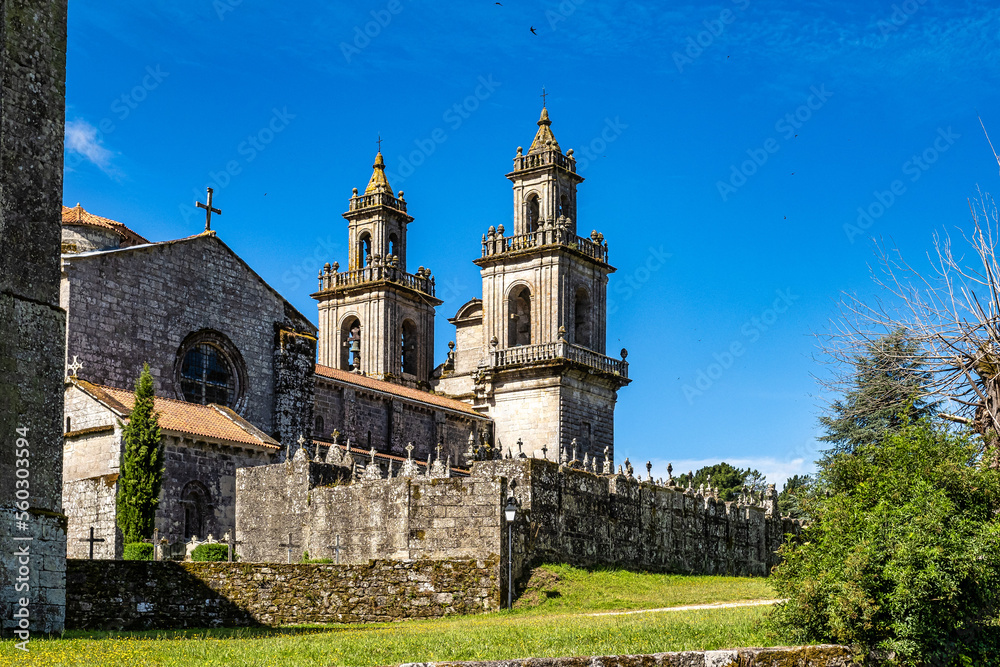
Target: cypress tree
point(141, 474)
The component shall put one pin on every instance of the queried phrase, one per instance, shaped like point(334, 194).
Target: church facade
point(526, 375)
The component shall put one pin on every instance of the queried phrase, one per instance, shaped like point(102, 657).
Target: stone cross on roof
point(208, 210)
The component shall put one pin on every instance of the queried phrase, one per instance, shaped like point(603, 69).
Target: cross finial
point(208, 210)
point(74, 367)
point(379, 142)
point(409, 451)
point(543, 96)
point(301, 440)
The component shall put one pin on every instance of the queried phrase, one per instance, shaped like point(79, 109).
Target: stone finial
point(562, 334)
point(574, 446)
point(545, 451)
point(470, 453)
point(690, 480)
point(333, 456)
point(300, 455)
point(624, 353)
point(372, 470)
point(494, 342)
point(319, 457)
point(562, 454)
point(649, 471)
point(409, 450)
point(609, 466)
point(620, 472)
point(670, 474)
point(500, 230)
point(336, 266)
point(628, 468)
point(520, 449)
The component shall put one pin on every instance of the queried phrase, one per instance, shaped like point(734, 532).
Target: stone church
point(243, 379)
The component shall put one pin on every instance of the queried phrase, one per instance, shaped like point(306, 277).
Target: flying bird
point(532, 28)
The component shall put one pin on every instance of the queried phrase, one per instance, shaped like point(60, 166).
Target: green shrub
point(138, 551)
point(903, 555)
point(211, 553)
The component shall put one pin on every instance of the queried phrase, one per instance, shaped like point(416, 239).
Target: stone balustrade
point(358, 202)
point(530, 354)
point(495, 243)
point(544, 158)
point(331, 278)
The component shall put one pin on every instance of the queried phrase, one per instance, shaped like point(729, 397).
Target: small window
point(519, 306)
point(69, 426)
point(319, 430)
point(531, 214)
point(364, 250)
point(408, 343)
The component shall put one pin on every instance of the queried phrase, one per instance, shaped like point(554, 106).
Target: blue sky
point(729, 152)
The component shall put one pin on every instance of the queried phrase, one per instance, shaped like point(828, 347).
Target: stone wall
point(32, 326)
point(294, 367)
point(401, 518)
point(566, 515)
point(141, 595)
point(781, 656)
point(90, 503)
point(585, 519)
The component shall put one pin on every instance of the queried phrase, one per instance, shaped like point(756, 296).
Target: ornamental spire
point(378, 181)
point(544, 139)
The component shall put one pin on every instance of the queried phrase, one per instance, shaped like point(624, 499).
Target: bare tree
point(951, 310)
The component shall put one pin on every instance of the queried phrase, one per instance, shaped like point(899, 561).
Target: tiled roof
point(212, 421)
point(397, 390)
point(78, 216)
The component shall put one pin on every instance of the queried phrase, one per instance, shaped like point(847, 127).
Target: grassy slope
point(555, 626)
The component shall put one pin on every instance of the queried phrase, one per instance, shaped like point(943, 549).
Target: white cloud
point(776, 470)
point(82, 140)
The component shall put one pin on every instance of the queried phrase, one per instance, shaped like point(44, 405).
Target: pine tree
point(728, 479)
point(141, 474)
point(887, 388)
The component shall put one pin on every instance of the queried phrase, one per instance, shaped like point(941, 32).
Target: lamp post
point(510, 512)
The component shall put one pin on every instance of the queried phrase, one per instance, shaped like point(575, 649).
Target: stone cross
point(301, 440)
point(543, 96)
point(409, 450)
point(74, 367)
point(545, 451)
point(649, 470)
point(232, 542)
point(379, 142)
point(439, 451)
point(92, 540)
point(290, 546)
point(336, 550)
point(208, 210)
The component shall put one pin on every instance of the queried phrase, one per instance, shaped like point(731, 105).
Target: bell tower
point(375, 318)
point(531, 354)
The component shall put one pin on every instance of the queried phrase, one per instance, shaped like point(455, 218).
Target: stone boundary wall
point(784, 656)
point(585, 519)
point(144, 595)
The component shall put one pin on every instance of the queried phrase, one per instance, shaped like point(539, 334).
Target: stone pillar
point(32, 326)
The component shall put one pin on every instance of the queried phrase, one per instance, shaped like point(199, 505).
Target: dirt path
point(692, 607)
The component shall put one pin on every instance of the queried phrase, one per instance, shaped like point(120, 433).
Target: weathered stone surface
point(783, 656)
point(134, 595)
point(32, 327)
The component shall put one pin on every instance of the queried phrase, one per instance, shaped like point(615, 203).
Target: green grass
point(557, 626)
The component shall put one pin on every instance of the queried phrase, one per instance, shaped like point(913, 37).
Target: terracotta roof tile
point(78, 216)
point(213, 421)
point(397, 390)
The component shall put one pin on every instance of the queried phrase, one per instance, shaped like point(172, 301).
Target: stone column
point(32, 326)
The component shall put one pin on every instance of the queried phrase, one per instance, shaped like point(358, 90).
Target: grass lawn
point(552, 623)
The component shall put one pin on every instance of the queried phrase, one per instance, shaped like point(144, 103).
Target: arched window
point(197, 505)
point(519, 305)
point(393, 245)
point(207, 375)
point(564, 207)
point(209, 369)
point(350, 344)
point(582, 318)
point(319, 429)
point(531, 213)
point(408, 341)
point(364, 250)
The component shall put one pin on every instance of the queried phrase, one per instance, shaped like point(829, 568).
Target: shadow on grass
point(223, 633)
